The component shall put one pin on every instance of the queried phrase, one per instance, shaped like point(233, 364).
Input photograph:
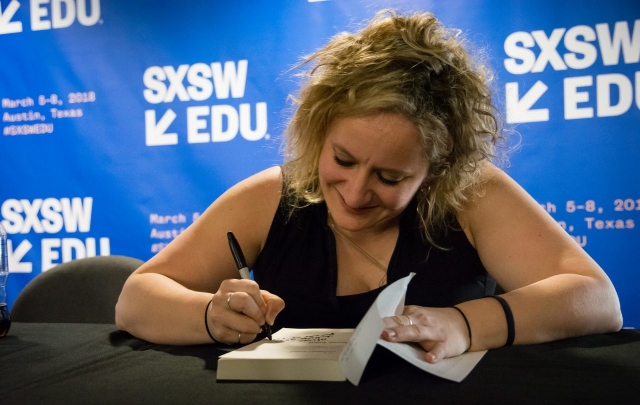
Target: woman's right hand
point(239, 309)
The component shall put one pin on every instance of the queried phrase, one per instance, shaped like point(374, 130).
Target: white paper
point(356, 354)
point(390, 302)
point(453, 368)
point(324, 344)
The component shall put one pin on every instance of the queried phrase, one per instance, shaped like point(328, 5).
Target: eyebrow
point(393, 172)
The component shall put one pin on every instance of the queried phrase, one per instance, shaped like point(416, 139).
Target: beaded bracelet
point(511, 329)
point(465, 321)
point(206, 322)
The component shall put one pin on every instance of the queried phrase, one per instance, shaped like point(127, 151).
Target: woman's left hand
point(442, 332)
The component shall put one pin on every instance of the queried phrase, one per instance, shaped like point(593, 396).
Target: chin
point(354, 222)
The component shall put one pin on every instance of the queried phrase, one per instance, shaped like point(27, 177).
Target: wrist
point(487, 322)
point(466, 321)
point(206, 320)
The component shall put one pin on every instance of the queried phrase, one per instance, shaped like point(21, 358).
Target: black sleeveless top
point(298, 263)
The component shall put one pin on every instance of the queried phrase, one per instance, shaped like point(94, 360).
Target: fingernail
point(391, 333)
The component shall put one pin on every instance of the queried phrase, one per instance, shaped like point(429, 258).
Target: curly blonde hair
point(409, 65)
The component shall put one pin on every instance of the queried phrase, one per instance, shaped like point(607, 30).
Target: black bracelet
point(511, 329)
point(467, 322)
point(206, 322)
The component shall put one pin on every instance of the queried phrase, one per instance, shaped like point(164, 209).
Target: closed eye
point(381, 178)
point(388, 182)
point(343, 163)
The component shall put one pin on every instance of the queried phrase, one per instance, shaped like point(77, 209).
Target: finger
point(412, 326)
point(408, 333)
point(242, 302)
point(249, 287)
point(395, 321)
point(236, 311)
point(391, 325)
point(222, 323)
point(274, 303)
point(437, 353)
point(230, 336)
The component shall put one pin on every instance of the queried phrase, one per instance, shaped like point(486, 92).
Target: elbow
point(616, 318)
point(618, 322)
point(613, 321)
point(598, 307)
point(613, 314)
point(120, 318)
point(125, 319)
point(122, 310)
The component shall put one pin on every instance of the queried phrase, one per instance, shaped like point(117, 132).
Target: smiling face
point(370, 168)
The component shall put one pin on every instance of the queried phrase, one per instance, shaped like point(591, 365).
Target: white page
point(453, 368)
point(390, 302)
point(323, 344)
point(356, 354)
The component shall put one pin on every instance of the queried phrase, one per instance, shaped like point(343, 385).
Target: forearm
point(558, 307)
point(155, 308)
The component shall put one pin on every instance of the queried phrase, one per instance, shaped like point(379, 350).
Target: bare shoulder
point(264, 187)
point(502, 204)
point(493, 194)
point(270, 178)
point(199, 257)
point(247, 208)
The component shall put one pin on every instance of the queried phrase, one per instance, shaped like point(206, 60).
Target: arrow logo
point(155, 132)
point(15, 257)
point(519, 109)
point(6, 25)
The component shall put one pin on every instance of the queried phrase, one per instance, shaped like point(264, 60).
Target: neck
point(375, 245)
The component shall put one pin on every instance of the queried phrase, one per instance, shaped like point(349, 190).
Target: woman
point(387, 172)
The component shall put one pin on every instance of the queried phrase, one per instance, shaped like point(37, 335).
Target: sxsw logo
point(204, 123)
point(25, 220)
point(608, 94)
point(48, 14)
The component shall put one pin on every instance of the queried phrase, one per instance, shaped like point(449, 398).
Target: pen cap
point(238, 256)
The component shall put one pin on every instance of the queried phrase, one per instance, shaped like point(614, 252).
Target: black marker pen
point(236, 251)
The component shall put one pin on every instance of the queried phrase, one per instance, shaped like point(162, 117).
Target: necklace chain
point(361, 250)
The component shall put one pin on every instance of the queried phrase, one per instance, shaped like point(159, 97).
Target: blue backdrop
point(123, 120)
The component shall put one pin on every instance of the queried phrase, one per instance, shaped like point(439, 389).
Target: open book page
point(358, 351)
point(290, 343)
point(453, 368)
point(390, 302)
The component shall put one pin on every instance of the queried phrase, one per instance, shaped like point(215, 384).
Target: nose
point(357, 192)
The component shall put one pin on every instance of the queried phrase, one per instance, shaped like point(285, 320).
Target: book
point(336, 354)
point(293, 354)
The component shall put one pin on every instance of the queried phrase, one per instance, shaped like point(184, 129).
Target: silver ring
point(410, 321)
point(229, 302)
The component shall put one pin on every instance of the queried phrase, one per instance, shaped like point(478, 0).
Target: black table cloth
point(97, 364)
